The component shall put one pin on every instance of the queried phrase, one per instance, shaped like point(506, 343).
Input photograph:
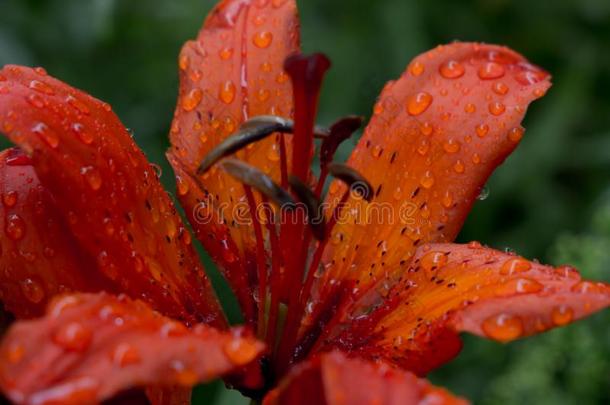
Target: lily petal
point(90, 347)
point(450, 288)
point(232, 72)
point(437, 134)
point(109, 194)
point(333, 379)
point(39, 256)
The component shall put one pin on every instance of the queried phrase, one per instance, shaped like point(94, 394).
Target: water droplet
point(173, 329)
point(226, 53)
point(239, 351)
point(426, 128)
point(451, 146)
point(459, 167)
point(41, 87)
point(263, 39)
point(447, 200)
point(263, 95)
point(183, 62)
point(482, 130)
point(470, 108)
point(78, 105)
point(9, 199)
point(73, 336)
point(530, 77)
point(432, 261)
point(474, 245)
point(125, 354)
point(15, 227)
point(397, 193)
point(182, 186)
point(452, 70)
point(32, 290)
point(35, 100)
point(416, 68)
point(418, 103)
point(191, 100)
point(515, 266)
point(497, 108)
point(562, 315)
point(503, 327)
point(519, 286)
point(491, 70)
point(227, 92)
point(376, 151)
point(82, 134)
point(483, 194)
point(500, 88)
point(47, 134)
point(424, 147)
point(516, 134)
point(92, 176)
point(60, 305)
point(157, 169)
point(476, 159)
point(427, 180)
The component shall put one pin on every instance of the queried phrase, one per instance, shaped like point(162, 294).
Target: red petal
point(334, 379)
point(91, 347)
point(233, 71)
point(451, 288)
point(39, 257)
point(437, 134)
point(109, 194)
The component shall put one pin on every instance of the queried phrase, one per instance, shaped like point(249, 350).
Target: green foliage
point(125, 53)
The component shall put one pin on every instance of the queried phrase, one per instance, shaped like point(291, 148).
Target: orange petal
point(90, 347)
point(108, 193)
point(39, 256)
point(233, 71)
point(437, 134)
point(451, 288)
point(334, 379)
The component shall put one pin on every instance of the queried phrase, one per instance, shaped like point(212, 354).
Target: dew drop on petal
point(32, 290)
point(47, 134)
point(92, 176)
point(562, 315)
point(433, 260)
point(192, 99)
point(491, 70)
point(73, 336)
point(497, 108)
point(227, 92)
point(482, 130)
point(82, 134)
point(15, 227)
point(516, 134)
point(515, 266)
point(416, 68)
point(452, 70)
point(125, 354)
point(427, 180)
point(503, 327)
point(500, 88)
point(483, 194)
point(263, 39)
point(182, 186)
point(239, 351)
point(9, 199)
point(418, 103)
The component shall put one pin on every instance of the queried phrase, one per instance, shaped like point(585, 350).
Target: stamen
point(253, 130)
point(253, 177)
point(315, 216)
point(357, 182)
point(339, 132)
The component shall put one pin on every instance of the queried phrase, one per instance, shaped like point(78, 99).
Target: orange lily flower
point(354, 305)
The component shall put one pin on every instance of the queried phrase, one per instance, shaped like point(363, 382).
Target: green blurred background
point(551, 200)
